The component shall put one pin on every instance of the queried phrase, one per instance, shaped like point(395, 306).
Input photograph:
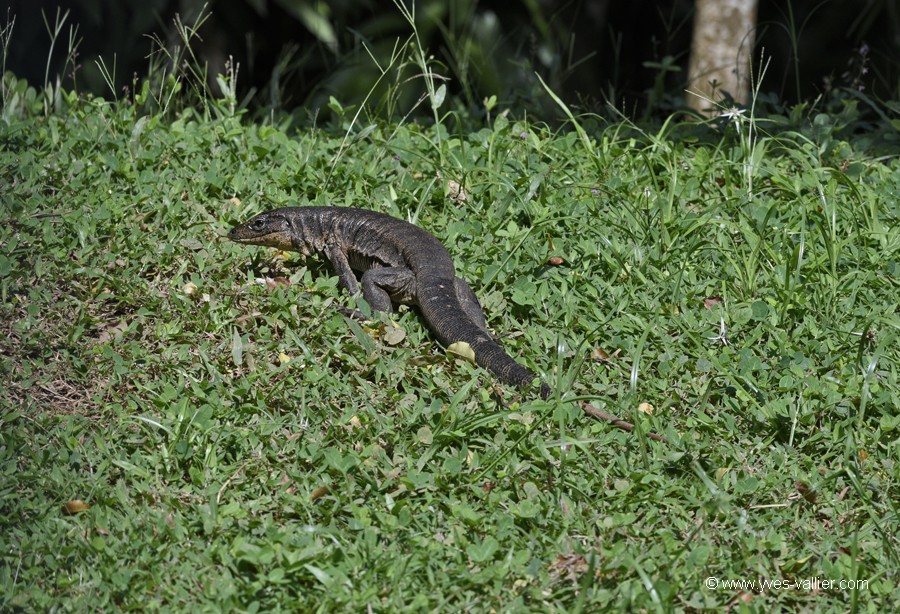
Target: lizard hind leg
point(470, 305)
point(385, 286)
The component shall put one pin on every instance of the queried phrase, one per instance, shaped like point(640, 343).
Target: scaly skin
point(400, 263)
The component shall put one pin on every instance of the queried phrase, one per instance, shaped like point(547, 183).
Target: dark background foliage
point(299, 52)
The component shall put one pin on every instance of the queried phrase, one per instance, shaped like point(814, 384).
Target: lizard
point(399, 263)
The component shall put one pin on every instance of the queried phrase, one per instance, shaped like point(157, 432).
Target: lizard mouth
point(246, 236)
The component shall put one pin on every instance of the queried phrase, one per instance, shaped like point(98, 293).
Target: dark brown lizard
point(400, 264)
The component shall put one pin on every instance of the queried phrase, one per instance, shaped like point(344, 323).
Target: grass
point(242, 446)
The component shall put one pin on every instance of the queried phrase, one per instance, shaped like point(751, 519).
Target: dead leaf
point(646, 408)
point(318, 493)
point(273, 283)
point(711, 301)
point(555, 261)
point(291, 485)
point(249, 316)
point(804, 489)
point(743, 597)
point(463, 350)
point(75, 506)
point(456, 192)
point(568, 567)
point(111, 331)
point(394, 335)
point(601, 355)
point(424, 435)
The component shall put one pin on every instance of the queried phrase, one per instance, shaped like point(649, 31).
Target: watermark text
point(805, 584)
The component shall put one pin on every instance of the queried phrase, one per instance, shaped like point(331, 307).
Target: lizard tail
point(491, 356)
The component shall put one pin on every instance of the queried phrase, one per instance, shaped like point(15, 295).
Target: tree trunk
point(721, 52)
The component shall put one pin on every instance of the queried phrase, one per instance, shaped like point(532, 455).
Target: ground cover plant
point(188, 424)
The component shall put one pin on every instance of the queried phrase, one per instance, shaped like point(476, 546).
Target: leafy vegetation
point(297, 53)
point(189, 424)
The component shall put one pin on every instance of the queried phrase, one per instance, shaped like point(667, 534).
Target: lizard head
point(272, 229)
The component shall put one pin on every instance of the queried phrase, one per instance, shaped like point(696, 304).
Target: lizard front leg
point(341, 267)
